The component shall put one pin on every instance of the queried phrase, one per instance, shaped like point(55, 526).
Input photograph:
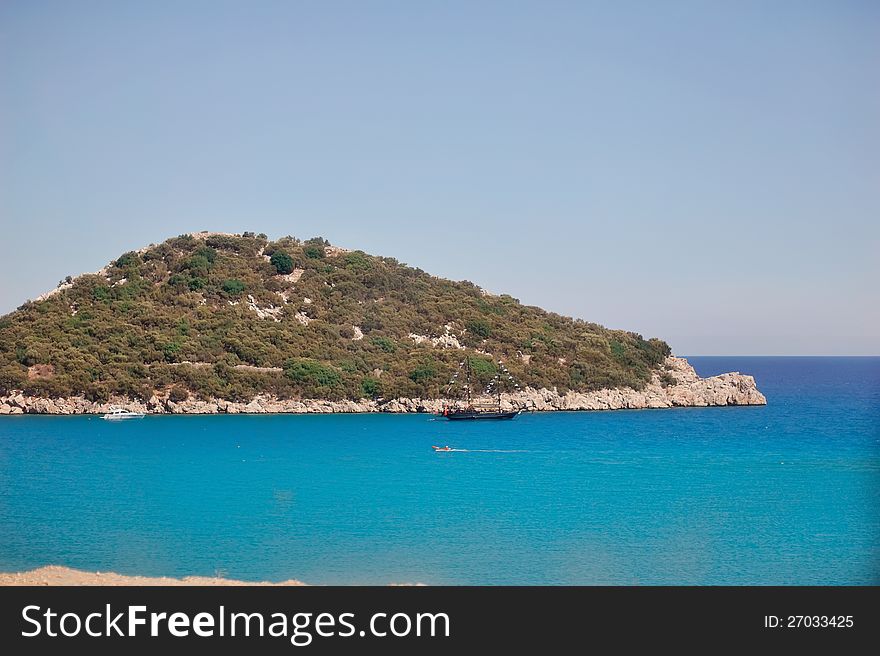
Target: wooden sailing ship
point(488, 405)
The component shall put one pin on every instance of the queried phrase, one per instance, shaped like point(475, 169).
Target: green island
point(214, 315)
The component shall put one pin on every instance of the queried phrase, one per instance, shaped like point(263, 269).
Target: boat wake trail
point(487, 451)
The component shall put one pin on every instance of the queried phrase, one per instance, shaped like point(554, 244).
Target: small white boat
point(122, 413)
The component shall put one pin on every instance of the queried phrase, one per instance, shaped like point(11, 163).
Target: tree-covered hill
point(231, 316)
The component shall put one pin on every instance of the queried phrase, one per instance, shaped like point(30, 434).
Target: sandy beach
point(57, 575)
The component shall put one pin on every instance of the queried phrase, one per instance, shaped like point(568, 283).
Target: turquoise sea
point(783, 494)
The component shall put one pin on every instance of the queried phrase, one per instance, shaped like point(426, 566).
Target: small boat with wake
point(438, 449)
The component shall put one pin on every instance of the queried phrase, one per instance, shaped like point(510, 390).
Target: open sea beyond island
point(783, 494)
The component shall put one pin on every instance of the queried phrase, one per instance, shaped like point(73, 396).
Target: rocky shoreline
point(675, 385)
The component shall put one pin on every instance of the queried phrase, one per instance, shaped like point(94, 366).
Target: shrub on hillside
point(479, 328)
point(371, 388)
point(178, 394)
point(313, 378)
point(313, 252)
point(384, 343)
point(282, 262)
point(232, 287)
point(128, 259)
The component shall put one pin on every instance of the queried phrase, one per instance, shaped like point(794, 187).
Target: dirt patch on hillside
point(41, 371)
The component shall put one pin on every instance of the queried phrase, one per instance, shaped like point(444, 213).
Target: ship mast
point(467, 386)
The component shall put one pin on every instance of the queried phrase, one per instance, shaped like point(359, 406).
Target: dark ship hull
point(462, 415)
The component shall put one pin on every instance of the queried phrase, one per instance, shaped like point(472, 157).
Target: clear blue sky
point(706, 172)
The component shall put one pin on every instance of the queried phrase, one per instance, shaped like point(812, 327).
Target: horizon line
point(778, 355)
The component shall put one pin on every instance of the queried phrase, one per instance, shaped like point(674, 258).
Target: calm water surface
point(783, 494)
